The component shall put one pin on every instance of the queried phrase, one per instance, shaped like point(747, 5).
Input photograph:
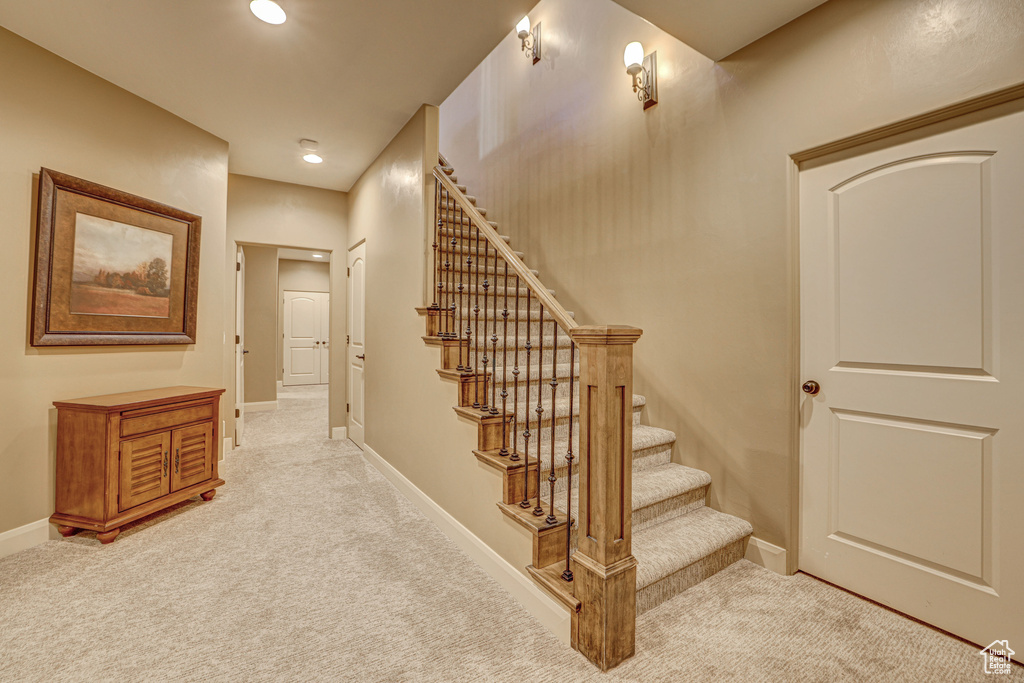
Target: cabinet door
point(145, 465)
point(192, 456)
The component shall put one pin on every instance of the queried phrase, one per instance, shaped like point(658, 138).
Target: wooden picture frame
point(112, 268)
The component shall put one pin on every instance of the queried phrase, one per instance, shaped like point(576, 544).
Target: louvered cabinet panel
point(145, 465)
point(192, 455)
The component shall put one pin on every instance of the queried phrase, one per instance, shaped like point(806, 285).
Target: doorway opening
point(283, 335)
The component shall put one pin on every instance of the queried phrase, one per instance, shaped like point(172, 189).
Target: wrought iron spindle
point(526, 432)
point(437, 239)
point(494, 336)
point(551, 519)
point(476, 325)
point(504, 369)
point(567, 574)
point(483, 380)
point(444, 330)
point(538, 509)
point(468, 244)
point(515, 389)
point(457, 313)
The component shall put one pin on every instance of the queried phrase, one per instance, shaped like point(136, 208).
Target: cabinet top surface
point(133, 398)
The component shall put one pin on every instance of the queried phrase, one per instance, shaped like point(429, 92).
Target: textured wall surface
point(677, 220)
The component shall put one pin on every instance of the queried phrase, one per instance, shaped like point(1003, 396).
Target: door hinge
point(347, 340)
point(238, 413)
point(348, 272)
point(238, 266)
point(238, 340)
point(346, 408)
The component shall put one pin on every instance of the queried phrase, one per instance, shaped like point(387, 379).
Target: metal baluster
point(457, 298)
point(526, 432)
point(476, 326)
point(469, 283)
point(483, 380)
point(444, 328)
point(504, 369)
point(515, 388)
point(437, 238)
point(567, 574)
point(551, 519)
point(450, 311)
point(538, 510)
point(494, 336)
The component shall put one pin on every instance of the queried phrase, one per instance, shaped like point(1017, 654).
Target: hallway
point(309, 565)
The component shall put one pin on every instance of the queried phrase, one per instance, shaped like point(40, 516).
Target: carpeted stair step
point(500, 289)
point(462, 252)
point(681, 552)
point(449, 205)
point(659, 494)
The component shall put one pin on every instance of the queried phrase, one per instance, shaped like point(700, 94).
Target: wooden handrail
point(526, 276)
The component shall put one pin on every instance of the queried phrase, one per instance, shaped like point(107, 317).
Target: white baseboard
point(25, 537)
point(767, 555)
point(339, 433)
point(258, 406)
point(229, 445)
point(551, 614)
point(280, 384)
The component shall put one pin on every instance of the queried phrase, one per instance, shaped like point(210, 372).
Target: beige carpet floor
point(309, 566)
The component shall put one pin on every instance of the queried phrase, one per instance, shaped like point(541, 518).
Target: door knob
point(361, 357)
point(811, 387)
point(318, 343)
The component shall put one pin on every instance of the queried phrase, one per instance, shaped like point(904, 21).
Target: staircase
point(525, 358)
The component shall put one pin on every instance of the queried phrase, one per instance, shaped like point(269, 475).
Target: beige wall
point(676, 219)
point(261, 328)
point(57, 115)
point(409, 416)
point(299, 276)
point(266, 212)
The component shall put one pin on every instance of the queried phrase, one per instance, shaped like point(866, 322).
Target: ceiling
point(304, 255)
point(347, 73)
point(717, 28)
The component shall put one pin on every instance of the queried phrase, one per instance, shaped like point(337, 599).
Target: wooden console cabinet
point(124, 456)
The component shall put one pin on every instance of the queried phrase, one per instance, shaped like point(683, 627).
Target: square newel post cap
point(604, 335)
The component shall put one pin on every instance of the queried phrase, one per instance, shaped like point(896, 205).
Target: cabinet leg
point(108, 536)
point(66, 531)
point(208, 495)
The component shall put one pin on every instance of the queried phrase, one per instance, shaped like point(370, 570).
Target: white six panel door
point(912, 316)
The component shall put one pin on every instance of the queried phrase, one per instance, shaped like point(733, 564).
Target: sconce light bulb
point(523, 28)
point(633, 58)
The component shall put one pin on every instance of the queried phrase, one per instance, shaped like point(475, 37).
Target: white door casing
point(325, 339)
point(912, 312)
point(357, 344)
point(305, 330)
point(239, 346)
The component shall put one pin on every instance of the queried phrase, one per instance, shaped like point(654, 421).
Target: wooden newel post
point(604, 566)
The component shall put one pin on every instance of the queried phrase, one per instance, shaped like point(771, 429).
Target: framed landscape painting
point(111, 267)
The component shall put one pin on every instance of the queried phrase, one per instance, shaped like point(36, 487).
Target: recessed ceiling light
point(268, 11)
point(318, 255)
point(309, 147)
point(313, 158)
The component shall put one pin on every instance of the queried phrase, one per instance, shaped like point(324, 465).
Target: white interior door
point(239, 346)
point(357, 343)
point(325, 338)
point(302, 341)
point(912, 315)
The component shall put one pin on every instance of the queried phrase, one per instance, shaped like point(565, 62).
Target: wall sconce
point(531, 39)
point(644, 70)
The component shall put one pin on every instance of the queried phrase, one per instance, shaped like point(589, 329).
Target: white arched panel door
point(357, 344)
point(912, 315)
point(302, 337)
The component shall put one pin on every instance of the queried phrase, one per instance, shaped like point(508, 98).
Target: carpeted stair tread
point(656, 484)
point(561, 408)
point(652, 447)
point(663, 549)
point(650, 486)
